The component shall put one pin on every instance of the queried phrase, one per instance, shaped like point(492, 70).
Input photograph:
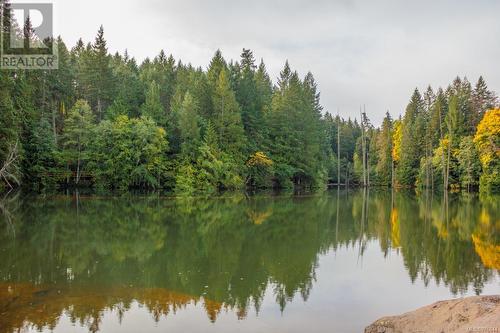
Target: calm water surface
point(332, 262)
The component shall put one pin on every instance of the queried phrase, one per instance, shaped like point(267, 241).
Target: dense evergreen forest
point(105, 121)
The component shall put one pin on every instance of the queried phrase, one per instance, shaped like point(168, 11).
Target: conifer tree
point(246, 94)
point(216, 66)
point(10, 131)
point(94, 74)
point(482, 100)
point(60, 87)
point(313, 129)
point(437, 125)
point(253, 130)
point(101, 75)
point(227, 117)
point(152, 107)
point(162, 70)
point(9, 119)
point(411, 141)
point(188, 125)
point(468, 163)
point(384, 151)
point(77, 136)
point(264, 87)
point(129, 94)
point(38, 169)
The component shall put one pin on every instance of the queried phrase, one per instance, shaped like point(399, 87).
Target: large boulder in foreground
point(467, 315)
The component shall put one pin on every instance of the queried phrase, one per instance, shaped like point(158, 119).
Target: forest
point(108, 122)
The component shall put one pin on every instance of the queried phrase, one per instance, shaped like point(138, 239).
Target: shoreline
point(470, 314)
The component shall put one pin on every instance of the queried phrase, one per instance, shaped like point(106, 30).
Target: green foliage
point(212, 171)
point(128, 153)
point(152, 107)
point(259, 170)
point(130, 92)
point(216, 171)
point(94, 74)
point(384, 148)
point(482, 100)
point(432, 146)
point(77, 136)
point(411, 141)
point(38, 170)
point(454, 121)
point(437, 124)
point(438, 164)
point(468, 163)
point(217, 65)
point(296, 132)
point(9, 119)
point(161, 70)
point(188, 126)
point(248, 99)
point(227, 117)
point(185, 182)
point(118, 138)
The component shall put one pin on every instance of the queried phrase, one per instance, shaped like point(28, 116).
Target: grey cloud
point(361, 52)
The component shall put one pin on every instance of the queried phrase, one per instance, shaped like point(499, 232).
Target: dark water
point(333, 262)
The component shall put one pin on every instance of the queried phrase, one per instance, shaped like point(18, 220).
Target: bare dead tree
point(363, 148)
point(338, 148)
point(9, 167)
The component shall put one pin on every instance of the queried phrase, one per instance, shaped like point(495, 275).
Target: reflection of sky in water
point(86, 257)
point(350, 292)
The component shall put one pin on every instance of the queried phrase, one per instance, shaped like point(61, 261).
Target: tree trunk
point(78, 163)
point(7, 170)
point(337, 219)
point(221, 129)
point(432, 177)
point(363, 152)
point(368, 165)
point(448, 166)
point(392, 172)
point(445, 186)
point(54, 128)
point(347, 175)
point(469, 175)
point(426, 168)
point(99, 108)
point(338, 150)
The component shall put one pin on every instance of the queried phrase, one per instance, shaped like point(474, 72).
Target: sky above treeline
point(360, 52)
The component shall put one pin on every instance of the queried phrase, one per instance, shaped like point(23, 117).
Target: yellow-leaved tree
point(259, 169)
point(487, 140)
point(396, 138)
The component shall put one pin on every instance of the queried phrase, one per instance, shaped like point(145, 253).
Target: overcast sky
point(360, 52)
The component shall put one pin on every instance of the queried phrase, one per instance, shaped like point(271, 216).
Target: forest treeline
point(106, 121)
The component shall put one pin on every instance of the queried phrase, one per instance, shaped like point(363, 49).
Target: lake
point(330, 262)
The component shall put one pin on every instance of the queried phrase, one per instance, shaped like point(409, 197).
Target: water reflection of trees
point(40, 306)
point(228, 251)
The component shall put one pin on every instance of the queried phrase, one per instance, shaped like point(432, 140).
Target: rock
point(463, 315)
